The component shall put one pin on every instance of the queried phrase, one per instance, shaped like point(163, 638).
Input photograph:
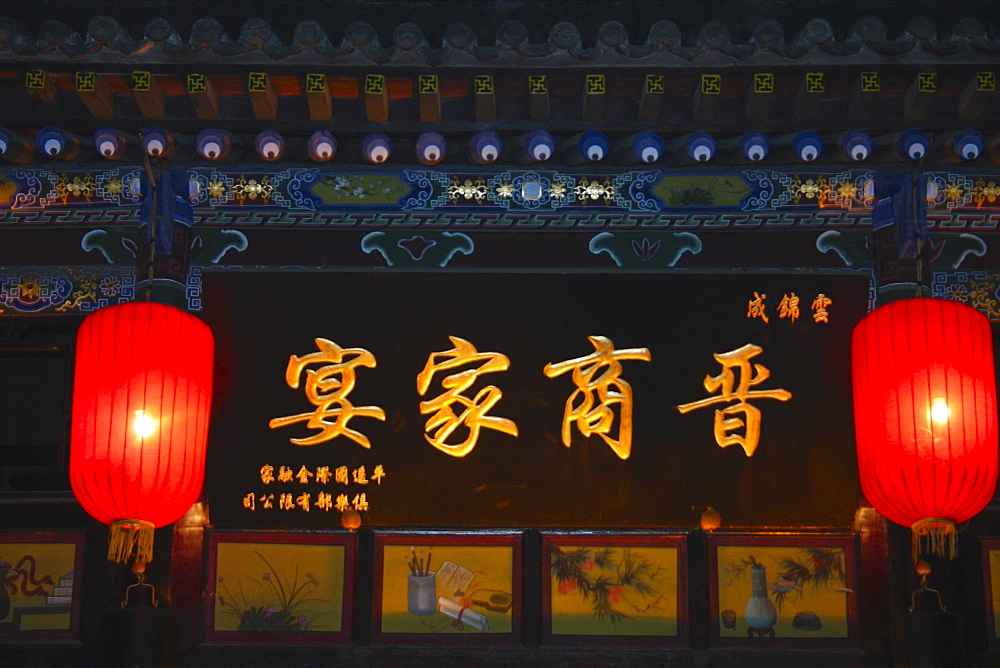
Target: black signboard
point(694, 362)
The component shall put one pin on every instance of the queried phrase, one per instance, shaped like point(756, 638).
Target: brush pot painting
point(421, 593)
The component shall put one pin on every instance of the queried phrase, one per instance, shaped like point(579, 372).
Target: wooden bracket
point(429, 94)
point(203, 95)
point(706, 97)
point(318, 97)
point(148, 94)
point(864, 94)
point(810, 94)
point(919, 96)
point(538, 97)
point(759, 97)
point(484, 93)
point(376, 98)
point(263, 96)
point(976, 95)
point(96, 94)
point(651, 99)
point(594, 88)
point(40, 85)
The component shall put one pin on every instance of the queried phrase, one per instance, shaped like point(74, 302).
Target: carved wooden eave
point(927, 74)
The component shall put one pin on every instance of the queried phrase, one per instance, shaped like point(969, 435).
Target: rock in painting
point(807, 621)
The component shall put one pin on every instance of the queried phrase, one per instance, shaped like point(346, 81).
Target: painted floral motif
point(216, 189)
point(253, 189)
point(359, 189)
point(468, 189)
point(691, 190)
point(595, 190)
point(274, 603)
point(820, 567)
point(604, 577)
point(957, 292)
point(985, 193)
point(110, 286)
point(80, 187)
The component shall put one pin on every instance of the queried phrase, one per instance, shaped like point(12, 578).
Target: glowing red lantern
point(141, 400)
point(925, 415)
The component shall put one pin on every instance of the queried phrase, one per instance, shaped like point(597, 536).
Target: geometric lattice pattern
point(257, 82)
point(141, 81)
point(196, 83)
point(537, 84)
point(870, 82)
point(483, 84)
point(315, 82)
point(986, 81)
point(815, 83)
point(763, 82)
point(655, 83)
point(34, 79)
point(374, 84)
point(85, 82)
point(927, 82)
point(711, 84)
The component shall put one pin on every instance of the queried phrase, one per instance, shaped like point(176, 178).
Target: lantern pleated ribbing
point(142, 393)
point(925, 414)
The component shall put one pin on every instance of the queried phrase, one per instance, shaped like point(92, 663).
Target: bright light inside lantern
point(940, 411)
point(143, 425)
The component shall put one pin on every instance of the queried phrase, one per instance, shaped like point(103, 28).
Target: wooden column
point(148, 94)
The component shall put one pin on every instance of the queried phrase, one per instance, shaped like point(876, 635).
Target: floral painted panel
point(279, 589)
point(788, 591)
point(613, 590)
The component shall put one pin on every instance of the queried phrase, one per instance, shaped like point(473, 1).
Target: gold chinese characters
point(738, 391)
point(788, 307)
point(599, 389)
point(601, 403)
point(321, 500)
point(443, 421)
point(327, 389)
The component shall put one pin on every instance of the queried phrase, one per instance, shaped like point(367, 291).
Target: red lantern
point(925, 415)
point(142, 393)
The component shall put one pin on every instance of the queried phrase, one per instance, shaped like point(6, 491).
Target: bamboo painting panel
point(614, 586)
point(447, 585)
point(39, 585)
point(798, 590)
point(279, 587)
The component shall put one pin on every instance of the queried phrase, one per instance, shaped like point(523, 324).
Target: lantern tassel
point(940, 534)
point(128, 537)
